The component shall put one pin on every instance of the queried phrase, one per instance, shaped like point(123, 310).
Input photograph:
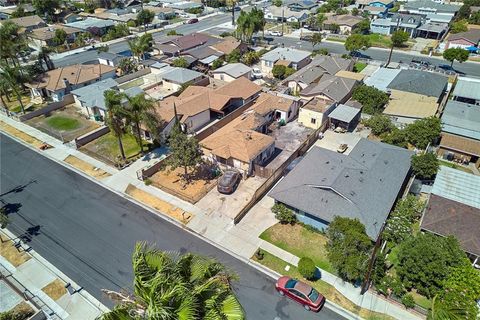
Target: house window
point(222, 77)
point(313, 121)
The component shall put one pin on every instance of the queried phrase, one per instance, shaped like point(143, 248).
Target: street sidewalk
point(35, 277)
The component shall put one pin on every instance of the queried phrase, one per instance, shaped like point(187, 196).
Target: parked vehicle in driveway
point(301, 292)
point(256, 73)
point(229, 181)
point(342, 148)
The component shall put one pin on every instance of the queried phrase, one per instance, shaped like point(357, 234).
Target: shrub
point(278, 71)
point(259, 254)
point(307, 268)
point(283, 214)
point(147, 182)
point(408, 301)
point(379, 124)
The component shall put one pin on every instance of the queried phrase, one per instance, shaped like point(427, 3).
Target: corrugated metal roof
point(458, 186)
point(344, 113)
point(381, 78)
point(467, 88)
point(462, 119)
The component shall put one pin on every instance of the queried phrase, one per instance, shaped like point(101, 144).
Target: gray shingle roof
point(288, 54)
point(421, 82)
point(181, 75)
point(234, 69)
point(467, 88)
point(424, 4)
point(319, 66)
point(336, 88)
point(363, 184)
point(92, 95)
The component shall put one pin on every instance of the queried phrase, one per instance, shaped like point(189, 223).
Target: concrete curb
point(268, 272)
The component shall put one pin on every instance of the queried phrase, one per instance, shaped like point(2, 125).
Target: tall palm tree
point(173, 286)
point(13, 78)
point(115, 116)
point(140, 45)
point(139, 111)
point(12, 41)
point(442, 311)
point(44, 57)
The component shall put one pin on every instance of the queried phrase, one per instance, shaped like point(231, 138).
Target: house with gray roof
point(421, 82)
point(333, 88)
point(85, 25)
point(345, 116)
point(408, 23)
point(174, 79)
point(364, 185)
point(381, 78)
point(428, 7)
point(90, 98)
point(232, 71)
point(296, 59)
point(467, 90)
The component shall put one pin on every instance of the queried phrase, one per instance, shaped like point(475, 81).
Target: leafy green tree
point(475, 18)
point(357, 42)
point(180, 63)
point(217, 63)
point(321, 18)
point(176, 286)
point(46, 7)
point(459, 26)
point(139, 110)
point(173, 33)
point(408, 301)
point(278, 71)
point(127, 66)
point(380, 124)
point(396, 137)
point(424, 131)
point(141, 45)
point(43, 57)
point(60, 37)
point(400, 223)
point(424, 262)
point(348, 248)
point(12, 41)
point(19, 12)
point(316, 39)
point(283, 214)
point(289, 71)
point(250, 58)
point(379, 268)
point(371, 98)
point(444, 311)
point(184, 151)
point(116, 116)
point(277, 3)
point(144, 17)
point(363, 27)
point(425, 166)
point(4, 219)
point(234, 56)
point(307, 268)
point(13, 78)
point(118, 31)
point(459, 54)
point(398, 39)
point(355, 12)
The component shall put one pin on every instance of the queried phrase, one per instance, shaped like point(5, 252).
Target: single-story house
point(229, 44)
point(44, 37)
point(276, 14)
point(92, 23)
point(381, 78)
point(296, 59)
point(344, 116)
point(232, 71)
point(464, 40)
point(347, 22)
point(161, 13)
point(28, 23)
point(109, 58)
point(428, 7)
point(421, 82)
point(314, 114)
point(467, 90)
point(364, 185)
point(319, 66)
point(178, 44)
point(406, 107)
point(408, 23)
point(330, 87)
point(461, 132)
point(90, 99)
point(303, 5)
point(174, 79)
point(453, 209)
point(58, 82)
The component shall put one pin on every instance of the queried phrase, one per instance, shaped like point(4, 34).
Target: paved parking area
point(220, 205)
point(331, 140)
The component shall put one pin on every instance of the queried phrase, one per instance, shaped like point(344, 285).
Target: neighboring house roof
point(411, 105)
point(407, 19)
point(460, 144)
point(110, 56)
point(190, 41)
point(437, 27)
point(462, 119)
point(92, 95)
point(364, 184)
point(28, 21)
point(344, 113)
point(267, 103)
point(373, 9)
point(318, 105)
point(421, 82)
point(319, 66)
point(305, 4)
point(367, 2)
point(287, 13)
point(467, 88)
point(181, 75)
point(335, 88)
point(203, 52)
point(458, 186)
point(48, 33)
point(343, 20)
point(381, 78)
point(91, 23)
point(53, 80)
point(288, 54)
point(241, 87)
point(451, 218)
point(428, 4)
point(472, 36)
point(228, 45)
point(350, 74)
point(235, 70)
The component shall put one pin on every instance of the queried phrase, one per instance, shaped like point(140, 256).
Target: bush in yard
point(425, 166)
point(396, 137)
point(283, 214)
point(424, 131)
point(371, 98)
point(278, 71)
point(408, 301)
point(379, 124)
point(400, 223)
point(307, 268)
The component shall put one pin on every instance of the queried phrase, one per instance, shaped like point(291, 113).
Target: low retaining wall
point(86, 138)
point(149, 171)
point(67, 99)
point(132, 76)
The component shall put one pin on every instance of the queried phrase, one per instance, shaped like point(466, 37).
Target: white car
point(256, 73)
point(275, 33)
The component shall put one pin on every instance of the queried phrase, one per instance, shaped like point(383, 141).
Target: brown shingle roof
point(470, 35)
point(228, 45)
point(318, 105)
point(461, 144)
point(28, 21)
point(343, 20)
point(49, 32)
point(241, 87)
point(447, 217)
point(268, 102)
point(76, 74)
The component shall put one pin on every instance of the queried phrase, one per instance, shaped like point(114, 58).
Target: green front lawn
point(359, 66)
point(63, 123)
point(422, 301)
point(328, 291)
point(379, 40)
point(107, 145)
point(454, 166)
point(301, 242)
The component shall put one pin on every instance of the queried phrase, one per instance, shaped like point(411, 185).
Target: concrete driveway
point(220, 205)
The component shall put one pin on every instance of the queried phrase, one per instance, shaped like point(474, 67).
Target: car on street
point(192, 21)
point(342, 148)
point(229, 181)
point(275, 33)
point(256, 73)
point(300, 292)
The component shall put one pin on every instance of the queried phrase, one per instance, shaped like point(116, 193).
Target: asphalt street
point(89, 233)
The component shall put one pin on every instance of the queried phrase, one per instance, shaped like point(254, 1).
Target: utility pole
point(283, 17)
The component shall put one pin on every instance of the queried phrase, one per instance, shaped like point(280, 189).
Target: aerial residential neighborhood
point(265, 160)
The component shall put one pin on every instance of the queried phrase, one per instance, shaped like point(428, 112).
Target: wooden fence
point(88, 137)
point(67, 99)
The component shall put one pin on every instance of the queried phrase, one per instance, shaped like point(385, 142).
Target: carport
point(344, 116)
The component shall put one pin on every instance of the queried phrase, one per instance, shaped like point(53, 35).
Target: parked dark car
point(229, 181)
point(300, 292)
point(192, 21)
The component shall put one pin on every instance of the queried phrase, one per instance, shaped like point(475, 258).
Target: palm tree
point(442, 311)
point(12, 41)
point(115, 116)
point(13, 78)
point(173, 286)
point(139, 111)
point(140, 45)
point(44, 57)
